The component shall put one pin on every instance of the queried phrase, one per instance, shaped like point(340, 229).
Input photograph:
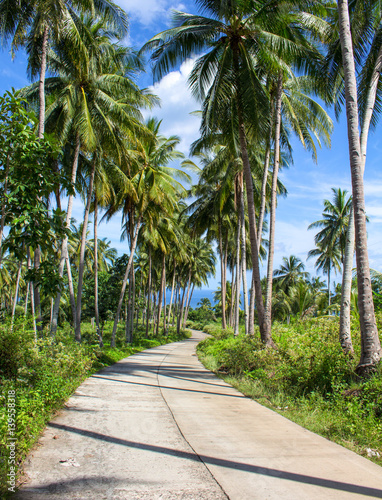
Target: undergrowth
point(307, 378)
point(43, 375)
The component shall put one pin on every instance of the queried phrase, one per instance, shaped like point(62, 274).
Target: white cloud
point(176, 105)
point(146, 11)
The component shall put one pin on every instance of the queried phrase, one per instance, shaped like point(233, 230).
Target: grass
point(307, 379)
point(43, 377)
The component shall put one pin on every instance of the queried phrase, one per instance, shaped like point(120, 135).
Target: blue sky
point(308, 184)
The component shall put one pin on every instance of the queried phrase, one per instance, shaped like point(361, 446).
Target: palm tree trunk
point(265, 327)
point(3, 208)
point(188, 305)
point(41, 86)
point(160, 299)
point(264, 181)
point(233, 293)
point(16, 293)
point(224, 322)
point(183, 322)
point(224, 283)
point(64, 245)
point(251, 319)
point(124, 283)
point(244, 263)
point(172, 293)
point(272, 217)
point(128, 308)
point(131, 334)
point(345, 331)
point(148, 294)
point(29, 265)
point(329, 286)
point(96, 310)
point(164, 305)
point(238, 274)
point(72, 297)
point(81, 268)
point(370, 344)
point(36, 290)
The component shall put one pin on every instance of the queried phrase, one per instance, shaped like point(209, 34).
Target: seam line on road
point(178, 427)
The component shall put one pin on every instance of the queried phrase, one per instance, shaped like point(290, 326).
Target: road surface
point(158, 425)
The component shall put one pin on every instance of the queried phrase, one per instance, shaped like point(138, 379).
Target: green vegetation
point(43, 375)
point(307, 379)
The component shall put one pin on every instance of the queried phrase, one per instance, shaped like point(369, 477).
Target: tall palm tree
point(92, 97)
point(328, 259)
point(237, 38)
point(371, 347)
point(291, 270)
point(335, 221)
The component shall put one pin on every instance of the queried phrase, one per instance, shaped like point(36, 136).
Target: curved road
point(157, 425)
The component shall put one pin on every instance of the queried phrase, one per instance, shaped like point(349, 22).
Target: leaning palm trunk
point(172, 294)
point(370, 343)
point(81, 269)
point(238, 274)
point(148, 295)
point(188, 305)
point(184, 304)
point(251, 316)
point(131, 321)
point(265, 330)
point(160, 299)
point(222, 280)
point(244, 263)
point(345, 330)
point(124, 283)
point(64, 245)
point(272, 218)
point(96, 311)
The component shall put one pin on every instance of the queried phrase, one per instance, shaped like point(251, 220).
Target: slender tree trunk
point(370, 344)
point(345, 330)
point(329, 286)
point(233, 293)
point(244, 263)
point(16, 293)
point(264, 182)
point(188, 305)
point(148, 294)
point(251, 318)
point(36, 291)
point(272, 217)
point(72, 298)
point(124, 283)
point(29, 265)
point(180, 311)
point(64, 245)
point(160, 298)
point(96, 310)
point(224, 283)
point(128, 309)
point(183, 321)
point(265, 327)
point(224, 322)
point(132, 303)
point(154, 310)
point(26, 301)
point(164, 305)
point(238, 271)
point(4, 208)
point(172, 293)
point(82, 252)
point(41, 86)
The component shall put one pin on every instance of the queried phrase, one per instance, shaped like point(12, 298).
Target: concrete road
point(157, 425)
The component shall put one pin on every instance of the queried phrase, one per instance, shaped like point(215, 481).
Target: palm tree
point(371, 347)
point(238, 36)
point(92, 98)
point(328, 258)
point(335, 221)
point(36, 23)
point(290, 271)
